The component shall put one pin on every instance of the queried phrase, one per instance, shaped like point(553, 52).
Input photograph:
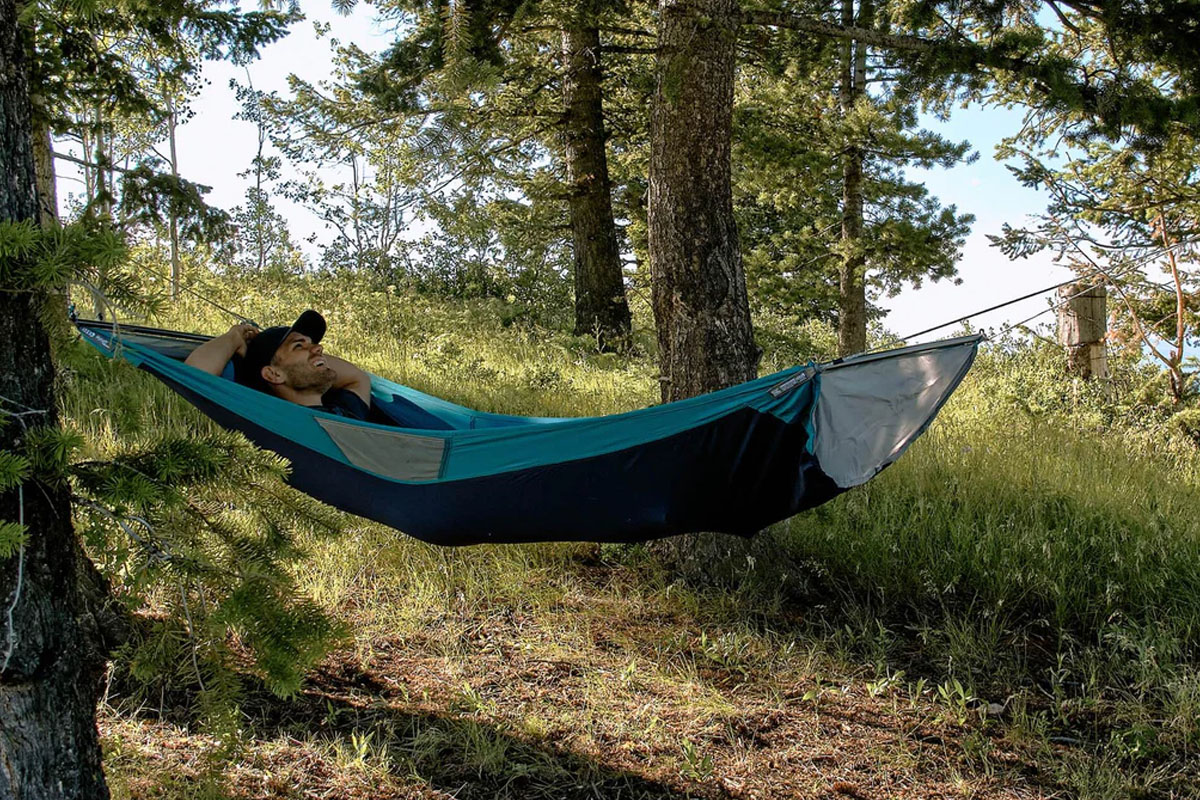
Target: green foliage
point(14, 469)
point(86, 53)
point(792, 138)
point(50, 451)
point(1123, 218)
point(150, 198)
point(13, 536)
point(979, 46)
point(116, 79)
point(263, 241)
point(1187, 423)
point(90, 255)
point(32, 258)
point(197, 530)
point(189, 525)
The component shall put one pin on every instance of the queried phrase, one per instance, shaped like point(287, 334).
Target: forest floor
point(601, 697)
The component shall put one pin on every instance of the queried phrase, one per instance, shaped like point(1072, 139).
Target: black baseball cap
point(261, 349)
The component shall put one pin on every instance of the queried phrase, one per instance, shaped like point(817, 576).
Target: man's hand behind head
point(240, 335)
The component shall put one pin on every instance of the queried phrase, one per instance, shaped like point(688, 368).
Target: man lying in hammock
point(290, 363)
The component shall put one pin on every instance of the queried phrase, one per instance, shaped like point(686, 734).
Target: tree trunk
point(51, 652)
point(852, 290)
point(1082, 327)
point(47, 185)
point(699, 289)
point(176, 273)
point(600, 304)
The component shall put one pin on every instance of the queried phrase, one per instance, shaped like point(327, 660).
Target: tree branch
point(617, 48)
point(782, 19)
point(892, 41)
point(90, 164)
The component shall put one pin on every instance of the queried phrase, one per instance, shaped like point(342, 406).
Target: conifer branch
point(627, 49)
point(957, 49)
point(874, 38)
point(627, 31)
point(90, 164)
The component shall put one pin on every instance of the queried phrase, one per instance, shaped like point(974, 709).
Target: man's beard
point(307, 378)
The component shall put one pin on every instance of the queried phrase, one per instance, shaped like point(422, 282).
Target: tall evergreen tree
point(1120, 215)
point(700, 304)
point(58, 621)
point(852, 86)
point(263, 241)
point(960, 45)
point(600, 305)
point(53, 641)
point(520, 56)
point(823, 134)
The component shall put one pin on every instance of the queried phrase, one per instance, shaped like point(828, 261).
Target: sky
point(213, 147)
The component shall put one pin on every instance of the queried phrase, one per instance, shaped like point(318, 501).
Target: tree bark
point(52, 653)
point(852, 292)
point(600, 304)
point(176, 272)
point(1082, 327)
point(699, 288)
point(47, 185)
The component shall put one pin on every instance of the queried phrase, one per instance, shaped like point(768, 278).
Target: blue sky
point(214, 147)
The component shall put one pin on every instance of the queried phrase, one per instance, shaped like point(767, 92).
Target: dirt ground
point(507, 705)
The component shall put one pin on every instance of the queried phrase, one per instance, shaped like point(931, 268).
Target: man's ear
point(272, 374)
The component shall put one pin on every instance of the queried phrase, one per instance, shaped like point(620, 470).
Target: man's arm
point(213, 355)
point(350, 377)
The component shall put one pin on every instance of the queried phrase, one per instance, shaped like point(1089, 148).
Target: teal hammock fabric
point(735, 460)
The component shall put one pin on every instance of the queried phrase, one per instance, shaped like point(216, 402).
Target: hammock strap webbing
point(1097, 273)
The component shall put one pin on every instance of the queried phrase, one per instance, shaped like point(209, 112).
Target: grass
point(1013, 609)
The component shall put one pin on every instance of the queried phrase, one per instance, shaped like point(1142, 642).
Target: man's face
point(301, 364)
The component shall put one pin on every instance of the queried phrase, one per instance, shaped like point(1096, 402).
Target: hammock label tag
point(780, 389)
point(97, 339)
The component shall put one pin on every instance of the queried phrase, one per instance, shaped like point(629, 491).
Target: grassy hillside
point(1012, 610)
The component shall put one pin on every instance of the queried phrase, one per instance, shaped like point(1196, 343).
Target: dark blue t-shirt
point(344, 403)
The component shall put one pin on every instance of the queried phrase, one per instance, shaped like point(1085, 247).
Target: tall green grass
point(1024, 498)
point(1025, 518)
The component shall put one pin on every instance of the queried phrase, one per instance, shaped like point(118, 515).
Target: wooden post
point(1082, 325)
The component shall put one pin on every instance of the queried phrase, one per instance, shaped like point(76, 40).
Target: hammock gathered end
point(733, 461)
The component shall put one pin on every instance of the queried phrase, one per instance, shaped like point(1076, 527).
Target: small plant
point(696, 764)
point(915, 692)
point(813, 695)
point(885, 683)
point(471, 701)
point(360, 744)
point(728, 651)
point(956, 699)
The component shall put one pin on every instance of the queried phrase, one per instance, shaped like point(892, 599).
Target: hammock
point(733, 461)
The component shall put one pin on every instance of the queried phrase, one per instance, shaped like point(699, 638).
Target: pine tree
point(527, 81)
point(957, 46)
point(55, 627)
point(161, 516)
point(1120, 216)
point(804, 124)
point(262, 239)
point(701, 309)
point(114, 79)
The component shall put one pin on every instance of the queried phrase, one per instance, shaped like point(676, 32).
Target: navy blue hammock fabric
point(733, 461)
